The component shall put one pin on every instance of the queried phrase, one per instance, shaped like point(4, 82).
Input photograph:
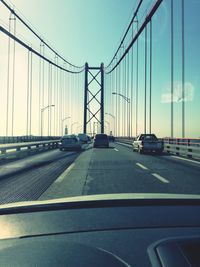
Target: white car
point(70, 142)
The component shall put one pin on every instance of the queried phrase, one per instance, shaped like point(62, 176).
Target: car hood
point(95, 199)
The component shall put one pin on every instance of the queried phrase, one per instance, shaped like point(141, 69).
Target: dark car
point(70, 142)
point(101, 140)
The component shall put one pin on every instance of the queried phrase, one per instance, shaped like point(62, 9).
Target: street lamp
point(78, 127)
point(72, 126)
point(113, 121)
point(42, 111)
point(64, 119)
point(123, 96)
point(94, 123)
point(109, 127)
point(128, 100)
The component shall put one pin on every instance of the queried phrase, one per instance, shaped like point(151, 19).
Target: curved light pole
point(42, 111)
point(128, 100)
point(64, 119)
point(113, 121)
point(95, 123)
point(78, 127)
point(108, 127)
point(73, 125)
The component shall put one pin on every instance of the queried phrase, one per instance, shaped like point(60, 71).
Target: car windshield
point(147, 137)
point(98, 98)
point(101, 136)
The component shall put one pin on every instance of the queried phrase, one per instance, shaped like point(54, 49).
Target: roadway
point(56, 174)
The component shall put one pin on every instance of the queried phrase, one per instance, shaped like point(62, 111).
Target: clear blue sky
point(81, 30)
point(90, 30)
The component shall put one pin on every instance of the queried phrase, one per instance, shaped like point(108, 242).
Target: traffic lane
point(31, 183)
point(114, 170)
point(181, 174)
point(34, 161)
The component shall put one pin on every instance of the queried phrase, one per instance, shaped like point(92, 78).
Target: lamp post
point(42, 111)
point(113, 121)
point(78, 127)
point(72, 126)
point(64, 119)
point(108, 127)
point(128, 100)
point(95, 123)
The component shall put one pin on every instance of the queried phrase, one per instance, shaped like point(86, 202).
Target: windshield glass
point(99, 97)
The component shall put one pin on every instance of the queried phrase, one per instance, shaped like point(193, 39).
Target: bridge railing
point(21, 139)
point(19, 149)
point(189, 147)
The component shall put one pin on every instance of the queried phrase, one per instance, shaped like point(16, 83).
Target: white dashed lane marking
point(141, 166)
point(116, 149)
point(160, 178)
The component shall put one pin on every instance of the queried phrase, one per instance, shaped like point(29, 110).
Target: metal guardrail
point(19, 148)
point(21, 139)
point(184, 150)
point(179, 146)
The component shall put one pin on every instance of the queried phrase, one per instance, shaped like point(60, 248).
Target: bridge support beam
point(94, 97)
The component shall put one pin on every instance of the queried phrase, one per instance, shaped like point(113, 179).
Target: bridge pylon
point(94, 97)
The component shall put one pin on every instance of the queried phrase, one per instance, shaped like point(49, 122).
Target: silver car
point(70, 142)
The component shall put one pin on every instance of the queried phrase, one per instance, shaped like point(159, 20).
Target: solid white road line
point(116, 149)
point(162, 179)
point(141, 166)
point(63, 175)
point(189, 160)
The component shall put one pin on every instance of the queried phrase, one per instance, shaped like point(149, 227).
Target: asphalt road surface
point(117, 169)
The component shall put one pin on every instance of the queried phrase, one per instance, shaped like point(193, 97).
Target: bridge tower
point(94, 97)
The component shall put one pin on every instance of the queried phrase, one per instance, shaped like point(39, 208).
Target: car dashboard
point(161, 232)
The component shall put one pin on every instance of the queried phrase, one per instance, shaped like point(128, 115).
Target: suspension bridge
point(147, 87)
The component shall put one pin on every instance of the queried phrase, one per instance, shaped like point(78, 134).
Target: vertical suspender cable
point(39, 94)
point(114, 121)
point(124, 93)
point(172, 68)
point(50, 98)
point(57, 100)
point(27, 96)
point(8, 79)
point(183, 70)
point(145, 83)
point(54, 126)
point(48, 92)
point(13, 85)
point(137, 73)
point(31, 85)
point(43, 76)
point(150, 76)
point(131, 97)
point(118, 116)
point(128, 103)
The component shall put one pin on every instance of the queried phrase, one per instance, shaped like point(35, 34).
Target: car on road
point(83, 138)
point(70, 142)
point(148, 143)
point(101, 140)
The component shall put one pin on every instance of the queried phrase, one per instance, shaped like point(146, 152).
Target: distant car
point(148, 143)
point(89, 139)
point(83, 138)
point(70, 142)
point(101, 140)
